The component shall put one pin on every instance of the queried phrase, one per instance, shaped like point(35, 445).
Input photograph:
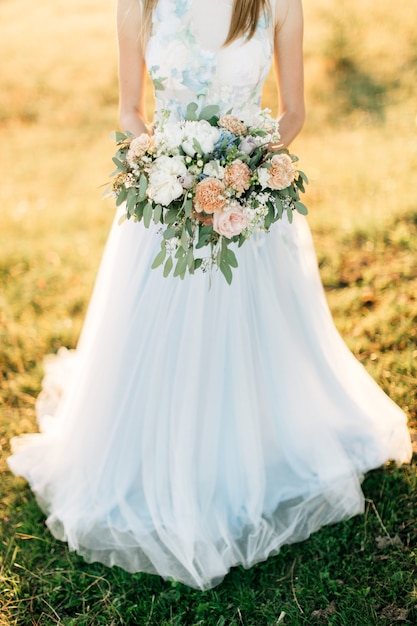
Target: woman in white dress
point(195, 429)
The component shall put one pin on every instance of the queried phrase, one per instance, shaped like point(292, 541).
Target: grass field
point(58, 103)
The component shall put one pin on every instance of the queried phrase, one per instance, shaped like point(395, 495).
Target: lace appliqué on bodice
point(187, 61)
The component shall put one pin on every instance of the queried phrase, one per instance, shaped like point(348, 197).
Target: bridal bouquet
point(210, 181)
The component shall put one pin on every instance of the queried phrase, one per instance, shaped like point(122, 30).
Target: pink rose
point(139, 146)
point(230, 222)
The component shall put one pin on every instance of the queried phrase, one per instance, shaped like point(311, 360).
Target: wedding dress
point(198, 428)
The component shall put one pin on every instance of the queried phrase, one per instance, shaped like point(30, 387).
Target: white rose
point(263, 176)
point(214, 169)
point(164, 184)
point(203, 132)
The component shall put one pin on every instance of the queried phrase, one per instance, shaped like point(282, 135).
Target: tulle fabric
point(200, 425)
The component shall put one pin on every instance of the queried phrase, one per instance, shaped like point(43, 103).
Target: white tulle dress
point(195, 429)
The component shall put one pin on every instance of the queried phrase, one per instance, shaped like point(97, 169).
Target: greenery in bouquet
point(209, 182)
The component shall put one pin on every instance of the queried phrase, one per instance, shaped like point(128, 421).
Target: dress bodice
point(188, 62)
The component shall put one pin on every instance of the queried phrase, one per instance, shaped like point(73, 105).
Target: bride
point(195, 429)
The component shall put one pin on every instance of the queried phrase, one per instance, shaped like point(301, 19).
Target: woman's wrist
point(132, 123)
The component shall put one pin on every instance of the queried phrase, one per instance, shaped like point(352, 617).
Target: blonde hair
point(245, 17)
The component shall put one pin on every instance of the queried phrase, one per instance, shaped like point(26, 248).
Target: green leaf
point(189, 227)
point(227, 272)
point(169, 233)
point(171, 216)
point(303, 176)
point(159, 259)
point(270, 217)
point(180, 252)
point(231, 258)
point(121, 166)
point(197, 263)
point(147, 215)
point(181, 265)
point(191, 113)
point(190, 260)
point(143, 185)
point(118, 136)
point(131, 200)
point(188, 204)
point(157, 213)
point(209, 111)
point(184, 239)
point(289, 214)
point(197, 146)
point(122, 219)
point(168, 266)
point(301, 208)
point(121, 196)
point(280, 208)
point(138, 212)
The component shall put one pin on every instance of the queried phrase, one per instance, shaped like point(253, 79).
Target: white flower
point(205, 134)
point(164, 184)
point(168, 138)
point(263, 177)
point(214, 169)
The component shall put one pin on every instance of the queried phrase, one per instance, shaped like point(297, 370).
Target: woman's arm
point(131, 67)
point(289, 68)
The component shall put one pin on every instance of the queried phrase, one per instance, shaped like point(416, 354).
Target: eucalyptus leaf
point(157, 213)
point(231, 258)
point(169, 233)
point(171, 216)
point(119, 164)
point(188, 205)
point(147, 214)
point(209, 111)
point(143, 185)
point(122, 219)
point(168, 266)
point(289, 214)
point(189, 227)
point(280, 208)
point(159, 259)
point(131, 200)
point(121, 196)
point(227, 272)
point(301, 208)
point(181, 266)
point(191, 113)
point(117, 136)
point(184, 239)
point(190, 260)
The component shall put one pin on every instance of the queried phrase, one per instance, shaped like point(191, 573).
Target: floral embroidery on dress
point(183, 71)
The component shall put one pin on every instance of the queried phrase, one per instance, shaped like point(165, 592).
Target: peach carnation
point(237, 175)
point(209, 195)
point(230, 222)
point(233, 125)
point(281, 172)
